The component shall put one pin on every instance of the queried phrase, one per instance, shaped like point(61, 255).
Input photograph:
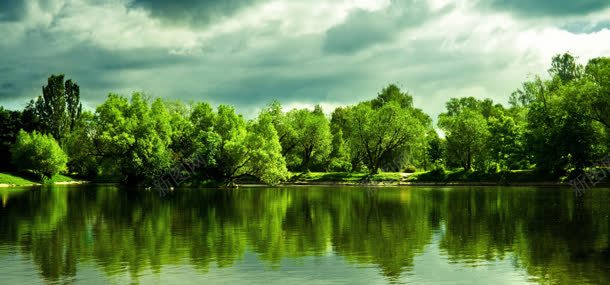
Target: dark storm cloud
point(97, 70)
point(192, 12)
point(585, 27)
point(11, 10)
point(363, 29)
point(259, 90)
point(547, 8)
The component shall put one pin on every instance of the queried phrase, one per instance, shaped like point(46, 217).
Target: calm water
point(323, 235)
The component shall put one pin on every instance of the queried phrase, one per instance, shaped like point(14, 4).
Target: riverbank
point(431, 178)
point(12, 179)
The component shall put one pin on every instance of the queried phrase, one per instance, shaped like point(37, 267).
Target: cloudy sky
point(248, 52)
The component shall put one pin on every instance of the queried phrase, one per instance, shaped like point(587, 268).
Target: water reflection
point(548, 233)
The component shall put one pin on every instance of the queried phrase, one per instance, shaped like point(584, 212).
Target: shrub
point(38, 153)
point(337, 165)
point(410, 169)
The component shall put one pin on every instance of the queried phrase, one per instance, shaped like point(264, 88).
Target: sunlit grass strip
point(345, 177)
point(13, 179)
point(16, 179)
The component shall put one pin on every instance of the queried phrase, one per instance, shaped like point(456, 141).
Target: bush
point(38, 153)
point(438, 174)
point(410, 169)
point(337, 165)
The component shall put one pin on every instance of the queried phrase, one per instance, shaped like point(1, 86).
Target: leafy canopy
point(38, 153)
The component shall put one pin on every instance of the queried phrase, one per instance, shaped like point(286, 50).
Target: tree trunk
point(468, 161)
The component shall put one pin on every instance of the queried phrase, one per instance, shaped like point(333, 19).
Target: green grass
point(23, 179)
point(345, 177)
point(15, 179)
point(61, 178)
point(512, 176)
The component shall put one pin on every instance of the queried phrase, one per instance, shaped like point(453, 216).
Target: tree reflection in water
point(554, 236)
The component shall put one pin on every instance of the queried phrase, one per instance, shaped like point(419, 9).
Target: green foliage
point(339, 156)
point(378, 132)
point(38, 153)
point(248, 149)
point(558, 126)
point(58, 109)
point(466, 133)
point(134, 135)
point(312, 141)
point(436, 149)
point(565, 125)
point(10, 124)
point(437, 174)
point(347, 177)
point(265, 157)
point(506, 142)
point(392, 93)
point(82, 153)
point(305, 136)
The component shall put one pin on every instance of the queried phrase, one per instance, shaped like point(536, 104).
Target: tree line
point(558, 126)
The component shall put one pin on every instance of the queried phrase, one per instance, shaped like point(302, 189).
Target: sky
point(249, 52)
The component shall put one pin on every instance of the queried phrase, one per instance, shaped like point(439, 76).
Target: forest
point(555, 126)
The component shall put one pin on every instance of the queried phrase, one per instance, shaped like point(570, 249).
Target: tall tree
point(564, 67)
point(313, 138)
point(560, 133)
point(134, 135)
point(392, 93)
point(596, 95)
point(286, 132)
point(251, 149)
point(59, 107)
point(466, 134)
point(10, 124)
point(378, 132)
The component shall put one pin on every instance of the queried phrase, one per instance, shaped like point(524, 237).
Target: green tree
point(58, 109)
point(339, 156)
point(313, 139)
point(82, 153)
point(564, 67)
point(379, 132)
point(10, 124)
point(466, 134)
point(595, 92)
point(248, 149)
point(265, 152)
point(436, 150)
point(38, 153)
point(134, 136)
point(343, 152)
point(392, 93)
point(286, 132)
point(506, 142)
point(560, 132)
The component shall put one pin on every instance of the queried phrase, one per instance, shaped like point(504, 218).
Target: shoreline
point(414, 184)
point(7, 185)
point(342, 183)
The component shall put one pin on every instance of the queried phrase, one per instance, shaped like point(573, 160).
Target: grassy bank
point(514, 177)
point(26, 179)
point(461, 176)
point(345, 177)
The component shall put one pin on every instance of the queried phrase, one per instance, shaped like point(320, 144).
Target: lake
point(313, 235)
